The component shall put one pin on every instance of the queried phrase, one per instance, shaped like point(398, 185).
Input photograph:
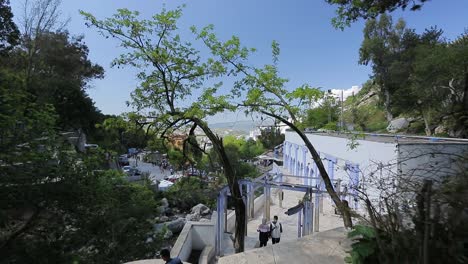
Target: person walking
point(166, 256)
point(276, 229)
point(264, 233)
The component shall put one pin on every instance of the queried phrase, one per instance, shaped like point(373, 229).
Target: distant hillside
point(245, 125)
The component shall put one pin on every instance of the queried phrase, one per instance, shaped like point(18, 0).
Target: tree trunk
point(232, 179)
point(427, 122)
point(388, 113)
point(345, 211)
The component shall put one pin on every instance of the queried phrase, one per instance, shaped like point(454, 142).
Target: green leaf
point(361, 230)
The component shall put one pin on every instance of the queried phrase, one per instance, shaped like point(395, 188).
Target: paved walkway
point(328, 247)
point(327, 221)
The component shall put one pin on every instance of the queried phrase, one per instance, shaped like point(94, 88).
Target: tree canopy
point(349, 11)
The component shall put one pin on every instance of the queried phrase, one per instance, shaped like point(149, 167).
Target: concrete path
point(328, 247)
point(327, 221)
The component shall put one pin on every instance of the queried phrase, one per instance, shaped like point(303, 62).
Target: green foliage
point(59, 75)
point(364, 247)
point(60, 206)
point(188, 192)
point(349, 11)
point(119, 133)
point(176, 157)
point(330, 126)
point(271, 137)
point(9, 34)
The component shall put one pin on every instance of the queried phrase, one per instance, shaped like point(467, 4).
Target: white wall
point(432, 160)
point(367, 154)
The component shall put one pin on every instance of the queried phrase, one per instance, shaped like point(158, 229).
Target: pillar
point(285, 144)
point(267, 196)
point(299, 224)
point(252, 200)
point(219, 223)
point(316, 211)
point(304, 162)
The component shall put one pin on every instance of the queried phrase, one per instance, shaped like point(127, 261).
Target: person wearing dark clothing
point(276, 229)
point(166, 256)
point(264, 233)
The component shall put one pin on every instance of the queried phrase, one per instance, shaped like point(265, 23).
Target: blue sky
point(312, 51)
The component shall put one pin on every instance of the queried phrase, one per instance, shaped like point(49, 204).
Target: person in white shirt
point(275, 230)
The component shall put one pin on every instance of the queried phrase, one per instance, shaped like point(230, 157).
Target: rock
point(158, 227)
point(175, 210)
point(192, 217)
point(176, 226)
point(157, 219)
point(149, 240)
point(441, 129)
point(398, 124)
point(169, 212)
point(164, 202)
point(161, 210)
point(168, 234)
point(206, 212)
point(205, 220)
point(200, 209)
point(164, 219)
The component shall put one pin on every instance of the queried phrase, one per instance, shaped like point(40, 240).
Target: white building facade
point(372, 158)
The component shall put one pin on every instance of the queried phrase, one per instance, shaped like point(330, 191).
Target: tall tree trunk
point(427, 122)
point(387, 101)
point(232, 179)
point(344, 209)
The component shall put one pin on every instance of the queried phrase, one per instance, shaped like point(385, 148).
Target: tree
point(265, 94)
point(9, 34)
point(271, 137)
point(349, 11)
point(60, 76)
point(383, 47)
point(173, 91)
point(325, 113)
point(59, 205)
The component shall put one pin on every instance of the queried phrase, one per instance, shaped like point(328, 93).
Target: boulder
point(440, 129)
point(164, 219)
point(200, 209)
point(158, 227)
point(168, 234)
point(176, 226)
point(398, 124)
point(168, 212)
point(164, 202)
point(161, 210)
point(193, 217)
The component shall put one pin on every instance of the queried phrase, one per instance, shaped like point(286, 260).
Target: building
point(360, 163)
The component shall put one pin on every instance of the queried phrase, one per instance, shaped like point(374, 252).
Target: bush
point(330, 126)
point(190, 191)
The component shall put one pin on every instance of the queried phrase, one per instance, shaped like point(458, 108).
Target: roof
point(392, 138)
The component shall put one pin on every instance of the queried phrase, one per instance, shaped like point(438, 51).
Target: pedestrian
point(276, 229)
point(264, 233)
point(166, 256)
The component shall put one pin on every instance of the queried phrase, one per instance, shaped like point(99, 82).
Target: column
point(297, 160)
point(285, 154)
point(266, 204)
point(304, 162)
point(219, 223)
point(316, 211)
point(355, 178)
point(299, 224)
